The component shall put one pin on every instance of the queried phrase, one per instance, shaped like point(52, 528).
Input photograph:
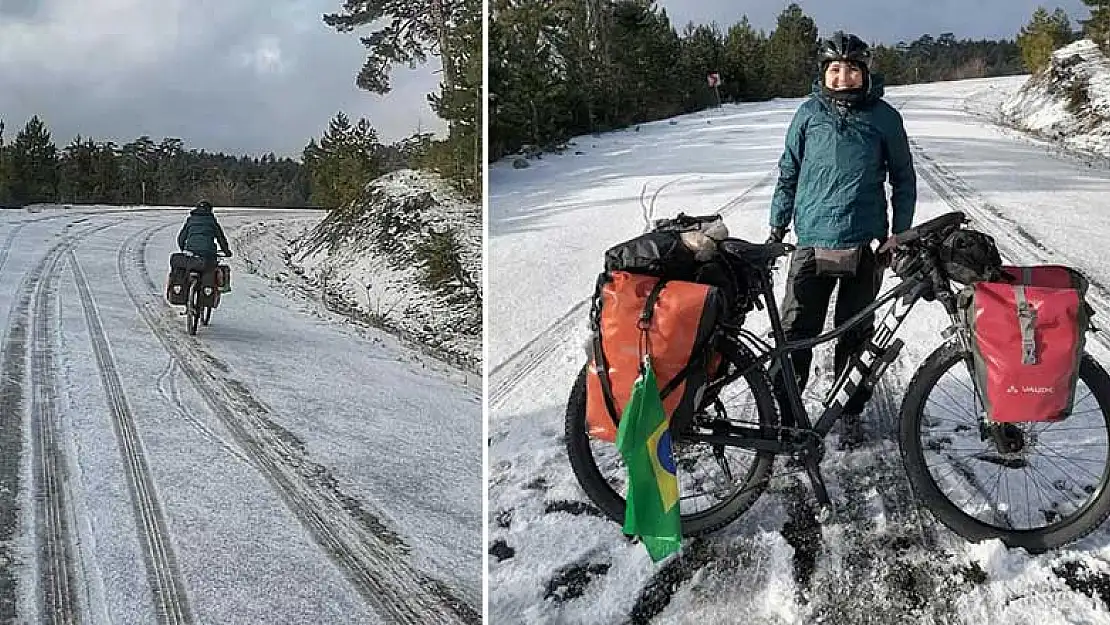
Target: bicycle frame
point(862, 372)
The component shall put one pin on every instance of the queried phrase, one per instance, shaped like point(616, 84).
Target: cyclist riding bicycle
point(200, 236)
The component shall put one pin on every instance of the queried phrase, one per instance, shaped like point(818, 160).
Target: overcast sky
point(880, 20)
point(237, 76)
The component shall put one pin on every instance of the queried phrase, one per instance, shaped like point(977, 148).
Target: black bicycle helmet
point(204, 206)
point(844, 47)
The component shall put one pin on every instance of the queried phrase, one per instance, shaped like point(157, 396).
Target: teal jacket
point(201, 233)
point(832, 171)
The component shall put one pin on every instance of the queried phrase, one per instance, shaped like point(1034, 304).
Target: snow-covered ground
point(554, 559)
point(282, 466)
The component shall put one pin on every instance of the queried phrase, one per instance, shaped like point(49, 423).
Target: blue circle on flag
point(663, 452)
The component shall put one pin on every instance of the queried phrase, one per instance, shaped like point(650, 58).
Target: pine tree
point(744, 73)
point(459, 101)
point(792, 53)
point(345, 159)
point(702, 53)
point(1042, 35)
point(407, 31)
point(34, 162)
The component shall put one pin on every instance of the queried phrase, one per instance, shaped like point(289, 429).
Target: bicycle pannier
point(673, 321)
point(176, 280)
point(1028, 333)
point(223, 278)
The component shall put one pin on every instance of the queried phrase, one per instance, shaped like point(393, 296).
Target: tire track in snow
point(14, 374)
point(170, 597)
point(167, 388)
point(12, 402)
point(9, 241)
point(8, 244)
point(1017, 244)
point(1013, 240)
point(57, 560)
point(28, 332)
point(370, 554)
point(516, 367)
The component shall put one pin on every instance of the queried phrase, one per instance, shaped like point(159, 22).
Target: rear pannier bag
point(175, 287)
point(223, 278)
point(180, 266)
point(1027, 332)
point(679, 317)
point(175, 281)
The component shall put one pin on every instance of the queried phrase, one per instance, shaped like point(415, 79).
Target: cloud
point(879, 20)
point(264, 57)
point(243, 77)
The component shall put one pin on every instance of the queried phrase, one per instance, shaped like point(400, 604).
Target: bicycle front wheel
point(716, 484)
point(1033, 485)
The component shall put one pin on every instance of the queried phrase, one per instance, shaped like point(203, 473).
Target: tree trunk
point(449, 77)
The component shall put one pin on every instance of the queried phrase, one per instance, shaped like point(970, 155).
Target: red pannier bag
point(1027, 339)
point(682, 318)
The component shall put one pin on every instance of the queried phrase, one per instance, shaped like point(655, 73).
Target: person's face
point(840, 75)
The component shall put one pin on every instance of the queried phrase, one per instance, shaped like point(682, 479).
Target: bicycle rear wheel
point(717, 484)
point(1048, 491)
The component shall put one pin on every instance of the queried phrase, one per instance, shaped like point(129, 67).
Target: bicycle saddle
point(758, 254)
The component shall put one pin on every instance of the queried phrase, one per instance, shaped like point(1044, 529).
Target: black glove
point(883, 258)
point(778, 233)
point(227, 253)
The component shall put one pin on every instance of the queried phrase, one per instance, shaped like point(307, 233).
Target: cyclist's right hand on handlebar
point(778, 233)
point(226, 254)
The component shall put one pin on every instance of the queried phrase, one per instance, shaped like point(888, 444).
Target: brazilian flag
point(644, 441)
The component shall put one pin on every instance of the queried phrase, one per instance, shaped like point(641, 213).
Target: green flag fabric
point(644, 441)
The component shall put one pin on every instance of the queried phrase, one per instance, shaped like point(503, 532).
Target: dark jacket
point(832, 171)
point(201, 233)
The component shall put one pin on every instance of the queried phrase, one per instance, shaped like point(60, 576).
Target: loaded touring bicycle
point(184, 286)
point(1003, 429)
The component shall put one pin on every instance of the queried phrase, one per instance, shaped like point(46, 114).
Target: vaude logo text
point(1036, 390)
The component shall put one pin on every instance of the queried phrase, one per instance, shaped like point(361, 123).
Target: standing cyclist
point(841, 146)
point(200, 235)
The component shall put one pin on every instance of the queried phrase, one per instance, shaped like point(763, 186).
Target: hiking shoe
point(852, 435)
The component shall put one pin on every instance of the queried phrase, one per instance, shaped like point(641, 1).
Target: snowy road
point(280, 466)
point(554, 559)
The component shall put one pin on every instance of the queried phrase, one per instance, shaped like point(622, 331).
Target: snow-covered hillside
point(554, 558)
point(1068, 102)
point(406, 257)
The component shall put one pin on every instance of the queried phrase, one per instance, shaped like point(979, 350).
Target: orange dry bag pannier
point(673, 321)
